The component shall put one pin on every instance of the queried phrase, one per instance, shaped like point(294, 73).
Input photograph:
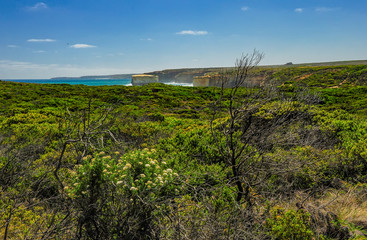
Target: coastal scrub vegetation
point(284, 160)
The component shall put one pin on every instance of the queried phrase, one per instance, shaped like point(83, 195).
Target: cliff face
point(143, 79)
point(185, 75)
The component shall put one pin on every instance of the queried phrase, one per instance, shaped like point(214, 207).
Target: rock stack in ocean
point(217, 80)
point(143, 79)
point(207, 81)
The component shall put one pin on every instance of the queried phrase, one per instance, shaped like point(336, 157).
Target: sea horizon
point(75, 81)
point(88, 82)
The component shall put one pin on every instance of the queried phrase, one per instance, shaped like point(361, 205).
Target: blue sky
point(43, 39)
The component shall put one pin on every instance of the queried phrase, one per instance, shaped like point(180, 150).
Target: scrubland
point(287, 160)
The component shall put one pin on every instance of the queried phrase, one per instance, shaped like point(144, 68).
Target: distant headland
point(187, 75)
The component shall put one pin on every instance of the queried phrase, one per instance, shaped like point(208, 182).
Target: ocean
point(88, 82)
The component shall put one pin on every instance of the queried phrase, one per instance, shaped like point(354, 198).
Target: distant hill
point(320, 64)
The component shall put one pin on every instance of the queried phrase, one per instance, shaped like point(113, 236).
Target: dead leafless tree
point(235, 131)
point(242, 136)
point(83, 133)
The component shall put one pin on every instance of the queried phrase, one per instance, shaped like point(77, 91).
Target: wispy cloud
point(245, 8)
point(41, 40)
point(12, 46)
point(82, 45)
point(38, 6)
point(146, 39)
point(10, 69)
point(298, 10)
point(13, 65)
point(39, 51)
point(324, 9)
point(191, 32)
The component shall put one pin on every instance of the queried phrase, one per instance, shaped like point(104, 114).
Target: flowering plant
point(133, 173)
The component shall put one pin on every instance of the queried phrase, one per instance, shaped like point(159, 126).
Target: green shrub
point(289, 224)
point(120, 196)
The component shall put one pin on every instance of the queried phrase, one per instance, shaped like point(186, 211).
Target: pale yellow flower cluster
point(127, 166)
point(153, 173)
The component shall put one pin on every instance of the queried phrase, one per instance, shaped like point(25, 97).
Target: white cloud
point(245, 8)
point(324, 9)
point(191, 32)
point(38, 6)
point(298, 10)
point(82, 45)
point(12, 46)
point(41, 40)
point(39, 51)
